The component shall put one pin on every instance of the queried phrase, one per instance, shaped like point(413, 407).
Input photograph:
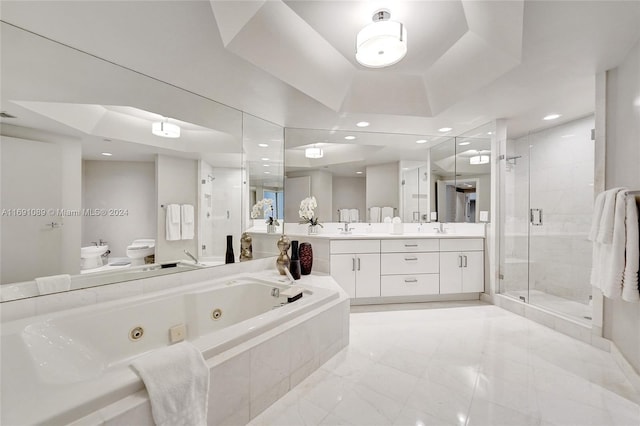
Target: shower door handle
point(535, 217)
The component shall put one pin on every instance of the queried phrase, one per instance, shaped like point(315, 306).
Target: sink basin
point(91, 256)
point(92, 251)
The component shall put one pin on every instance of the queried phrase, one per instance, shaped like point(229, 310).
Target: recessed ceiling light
point(405, 168)
point(421, 141)
point(489, 133)
point(267, 173)
point(264, 159)
point(551, 117)
point(362, 124)
point(266, 165)
point(349, 138)
point(358, 173)
point(464, 143)
point(263, 145)
point(445, 129)
point(107, 154)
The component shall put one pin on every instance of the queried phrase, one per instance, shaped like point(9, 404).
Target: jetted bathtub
point(61, 367)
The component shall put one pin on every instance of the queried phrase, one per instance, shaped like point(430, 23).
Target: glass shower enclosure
point(546, 206)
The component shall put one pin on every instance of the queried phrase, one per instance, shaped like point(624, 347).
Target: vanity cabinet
point(409, 267)
point(461, 266)
point(355, 265)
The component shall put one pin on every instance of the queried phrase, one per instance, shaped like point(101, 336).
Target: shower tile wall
point(555, 174)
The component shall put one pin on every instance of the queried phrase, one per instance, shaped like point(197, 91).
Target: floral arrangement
point(307, 213)
point(260, 207)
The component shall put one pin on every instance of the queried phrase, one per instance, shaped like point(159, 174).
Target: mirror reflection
point(367, 177)
point(96, 182)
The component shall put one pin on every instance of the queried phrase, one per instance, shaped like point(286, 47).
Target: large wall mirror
point(92, 183)
point(365, 176)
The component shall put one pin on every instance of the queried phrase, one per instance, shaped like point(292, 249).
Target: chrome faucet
point(195, 259)
point(347, 229)
point(440, 228)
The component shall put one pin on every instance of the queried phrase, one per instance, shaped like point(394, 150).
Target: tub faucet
point(195, 259)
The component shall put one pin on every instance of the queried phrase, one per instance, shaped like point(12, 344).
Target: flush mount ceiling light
point(479, 159)
point(165, 129)
point(381, 43)
point(313, 152)
point(421, 141)
point(551, 117)
point(362, 124)
point(445, 129)
point(350, 137)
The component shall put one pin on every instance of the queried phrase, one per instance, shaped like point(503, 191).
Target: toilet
point(139, 249)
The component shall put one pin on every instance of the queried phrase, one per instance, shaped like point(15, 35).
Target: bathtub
point(72, 365)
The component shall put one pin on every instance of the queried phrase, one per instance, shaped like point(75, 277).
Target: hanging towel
point(354, 215)
point(630, 291)
point(173, 222)
point(597, 215)
point(53, 283)
point(344, 215)
point(188, 225)
point(387, 212)
point(374, 213)
point(609, 258)
point(177, 380)
point(605, 230)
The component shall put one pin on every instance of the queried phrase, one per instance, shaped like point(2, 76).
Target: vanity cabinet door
point(461, 272)
point(367, 275)
point(343, 270)
point(473, 272)
point(450, 272)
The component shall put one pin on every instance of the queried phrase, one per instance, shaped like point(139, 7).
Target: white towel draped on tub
point(177, 380)
point(53, 283)
point(615, 245)
point(173, 222)
point(188, 225)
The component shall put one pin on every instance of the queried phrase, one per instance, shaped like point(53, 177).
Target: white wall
point(176, 181)
point(349, 193)
point(321, 187)
point(39, 175)
point(622, 319)
point(383, 186)
point(128, 185)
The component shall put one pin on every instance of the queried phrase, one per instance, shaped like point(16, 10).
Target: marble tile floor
point(474, 364)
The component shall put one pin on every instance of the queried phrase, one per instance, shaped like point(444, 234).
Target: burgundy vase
point(306, 258)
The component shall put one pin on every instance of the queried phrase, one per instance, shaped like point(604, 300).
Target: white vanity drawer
point(410, 263)
point(409, 245)
point(409, 285)
point(462, 244)
point(355, 246)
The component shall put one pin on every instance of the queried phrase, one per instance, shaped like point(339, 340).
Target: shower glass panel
point(548, 202)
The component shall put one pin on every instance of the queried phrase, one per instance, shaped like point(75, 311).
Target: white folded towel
point(53, 283)
point(354, 215)
point(374, 214)
point(344, 215)
point(387, 212)
point(605, 229)
point(630, 291)
point(188, 225)
point(177, 380)
point(173, 222)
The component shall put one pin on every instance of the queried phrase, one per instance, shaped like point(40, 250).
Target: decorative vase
point(229, 257)
point(305, 252)
point(246, 249)
point(271, 229)
point(313, 229)
point(283, 260)
point(294, 266)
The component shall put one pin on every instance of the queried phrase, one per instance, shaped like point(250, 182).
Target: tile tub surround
point(319, 331)
point(472, 365)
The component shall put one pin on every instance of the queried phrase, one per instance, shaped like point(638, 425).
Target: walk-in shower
point(546, 206)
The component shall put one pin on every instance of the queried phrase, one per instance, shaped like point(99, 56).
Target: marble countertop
point(385, 236)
